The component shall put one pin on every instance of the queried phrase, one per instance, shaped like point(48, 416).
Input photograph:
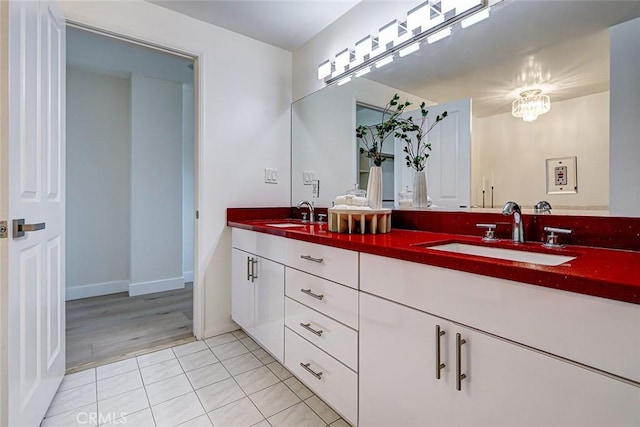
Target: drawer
point(337, 385)
point(265, 245)
point(328, 262)
point(336, 301)
point(335, 338)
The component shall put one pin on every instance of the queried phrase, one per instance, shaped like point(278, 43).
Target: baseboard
point(96, 289)
point(142, 288)
point(188, 276)
point(220, 329)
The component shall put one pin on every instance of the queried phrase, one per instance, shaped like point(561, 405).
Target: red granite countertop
point(607, 273)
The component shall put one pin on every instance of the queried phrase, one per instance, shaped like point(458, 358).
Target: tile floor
point(225, 381)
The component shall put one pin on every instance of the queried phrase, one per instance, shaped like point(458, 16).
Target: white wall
point(188, 202)
point(4, 135)
point(156, 185)
point(98, 165)
point(515, 151)
point(625, 118)
point(244, 126)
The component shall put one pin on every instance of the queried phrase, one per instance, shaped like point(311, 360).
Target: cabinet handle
point(318, 375)
point(249, 265)
point(459, 375)
point(310, 258)
point(308, 327)
point(311, 294)
point(439, 366)
point(254, 264)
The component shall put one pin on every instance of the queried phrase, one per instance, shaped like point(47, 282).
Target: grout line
point(144, 387)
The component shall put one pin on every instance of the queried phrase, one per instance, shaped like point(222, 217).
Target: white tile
point(84, 416)
point(207, 375)
point(298, 388)
point(201, 421)
point(241, 364)
point(74, 398)
point(298, 415)
point(280, 371)
point(164, 390)
point(264, 356)
point(229, 350)
point(142, 418)
point(264, 423)
point(274, 399)
point(340, 423)
point(161, 371)
point(78, 379)
point(322, 409)
point(256, 379)
point(220, 339)
point(177, 410)
point(218, 394)
point(116, 368)
point(124, 403)
point(119, 384)
point(242, 413)
point(239, 334)
point(192, 347)
point(155, 357)
point(249, 343)
point(197, 360)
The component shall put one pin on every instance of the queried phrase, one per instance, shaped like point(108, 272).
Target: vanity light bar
point(431, 20)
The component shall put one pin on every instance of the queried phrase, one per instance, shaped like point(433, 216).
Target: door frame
point(198, 291)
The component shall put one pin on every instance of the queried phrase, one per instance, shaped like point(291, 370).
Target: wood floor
point(114, 327)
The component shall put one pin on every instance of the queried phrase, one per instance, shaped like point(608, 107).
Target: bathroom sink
point(502, 253)
point(286, 225)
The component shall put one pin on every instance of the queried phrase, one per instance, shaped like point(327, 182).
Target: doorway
point(130, 198)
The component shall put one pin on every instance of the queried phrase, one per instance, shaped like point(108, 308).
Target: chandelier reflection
point(530, 105)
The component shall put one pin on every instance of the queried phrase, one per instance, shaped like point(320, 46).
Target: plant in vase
point(373, 138)
point(417, 151)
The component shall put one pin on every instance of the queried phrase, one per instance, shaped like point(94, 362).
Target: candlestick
point(492, 196)
point(483, 191)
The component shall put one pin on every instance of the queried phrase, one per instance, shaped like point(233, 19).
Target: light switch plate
point(562, 177)
point(270, 176)
point(307, 177)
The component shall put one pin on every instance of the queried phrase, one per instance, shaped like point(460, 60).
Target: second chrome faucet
point(311, 210)
point(517, 230)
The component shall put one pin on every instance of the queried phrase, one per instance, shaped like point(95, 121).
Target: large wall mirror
point(561, 48)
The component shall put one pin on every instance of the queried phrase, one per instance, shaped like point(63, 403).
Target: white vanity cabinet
point(504, 384)
point(257, 290)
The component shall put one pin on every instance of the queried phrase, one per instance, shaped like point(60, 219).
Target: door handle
point(459, 375)
point(249, 264)
point(254, 264)
point(439, 364)
point(19, 227)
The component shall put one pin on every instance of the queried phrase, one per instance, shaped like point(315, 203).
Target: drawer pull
point(311, 294)
point(439, 364)
point(318, 375)
point(310, 258)
point(459, 375)
point(308, 327)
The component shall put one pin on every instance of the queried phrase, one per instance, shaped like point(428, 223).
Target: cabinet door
point(510, 385)
point(398, 385)
point(242, 290)
point(269, 306)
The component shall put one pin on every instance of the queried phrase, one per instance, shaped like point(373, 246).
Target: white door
point(449, 163)
point(36, 322)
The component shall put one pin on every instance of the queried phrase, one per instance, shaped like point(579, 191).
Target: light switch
point(270, 176)
point(307, 177)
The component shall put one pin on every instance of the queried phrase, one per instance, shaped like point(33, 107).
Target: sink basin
point(286, 225)
point(501, 253)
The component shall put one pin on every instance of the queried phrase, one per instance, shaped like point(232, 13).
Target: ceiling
point(284, 23)
point(561, 47)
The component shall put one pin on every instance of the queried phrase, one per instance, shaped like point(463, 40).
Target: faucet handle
point(304, 216)
point(321, 217)
point(552, 238)
point(489, 234)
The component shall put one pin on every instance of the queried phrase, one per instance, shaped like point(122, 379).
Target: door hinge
point(197, 214)
point(3, 229)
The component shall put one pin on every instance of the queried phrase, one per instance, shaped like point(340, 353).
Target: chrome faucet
point(310, 206)
point(517, 232)
point(542, 207)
